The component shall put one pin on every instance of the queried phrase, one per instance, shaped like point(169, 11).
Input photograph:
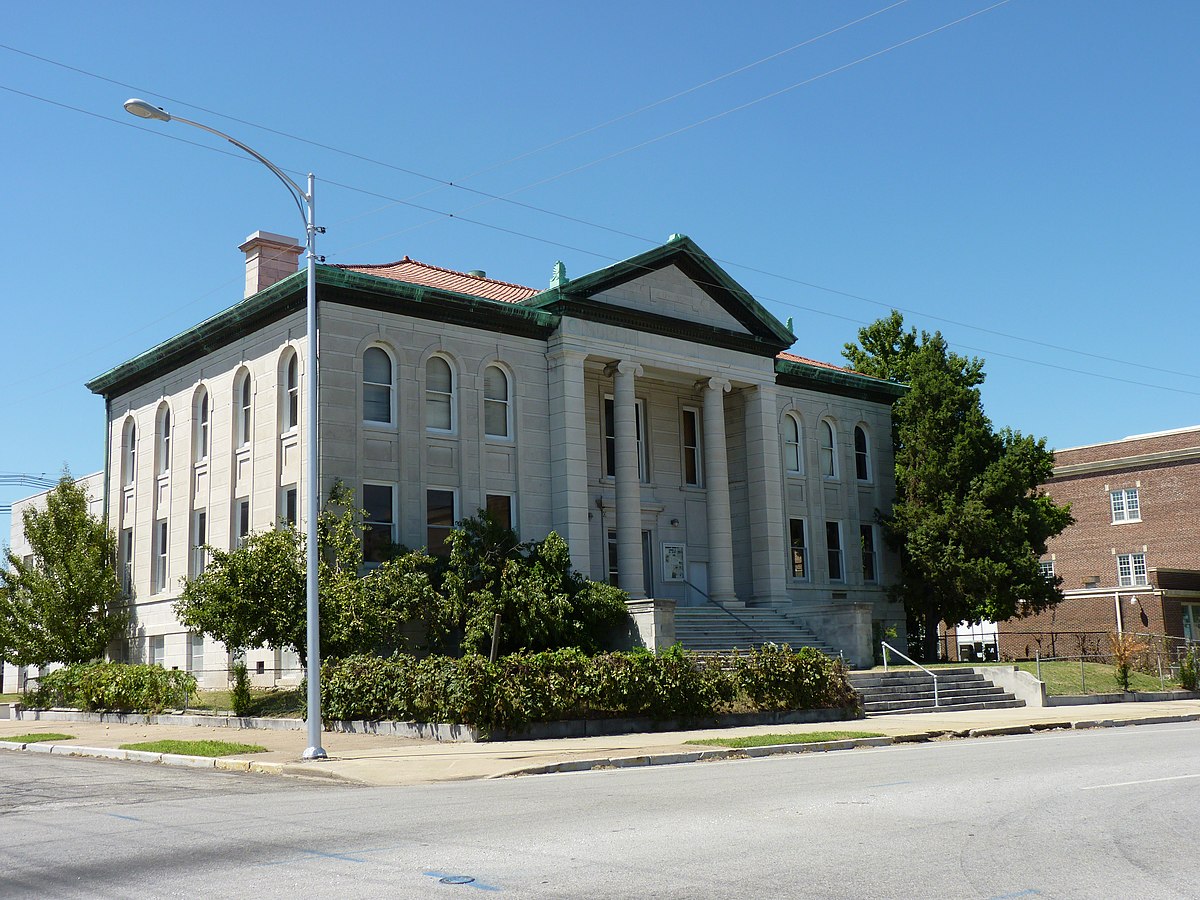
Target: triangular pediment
point(675, 286)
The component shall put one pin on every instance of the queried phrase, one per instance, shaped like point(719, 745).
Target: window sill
point(1127, 521)
point(379, 426)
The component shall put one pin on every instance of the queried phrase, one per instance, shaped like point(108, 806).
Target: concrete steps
point(908, 691)
point(711, 630)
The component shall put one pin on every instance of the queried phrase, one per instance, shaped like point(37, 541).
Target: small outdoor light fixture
point(144, 110)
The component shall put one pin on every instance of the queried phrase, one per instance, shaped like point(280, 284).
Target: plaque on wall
point(674, 562)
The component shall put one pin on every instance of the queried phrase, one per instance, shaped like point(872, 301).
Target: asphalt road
point(1106, 813)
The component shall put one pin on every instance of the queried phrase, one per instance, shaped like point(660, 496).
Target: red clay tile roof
point(792, 357)
point(413, 272)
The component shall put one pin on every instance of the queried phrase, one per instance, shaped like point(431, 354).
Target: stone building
point(648, 412)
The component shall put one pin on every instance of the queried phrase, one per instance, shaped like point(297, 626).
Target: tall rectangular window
point(870, 563)
point(1131, 569)
point(160, 555)
point(610, 438)
point(1125, 505)
point(287, 506)
point(158, 650)
point(690, 433)
point(1046, 568)
point(379, 521)
point(196, 653)
point(439, 519)
point(242, 522)
point(199, 539)
point(833, 547)
point(499, 506)
point(799, 550)
point(127, 562)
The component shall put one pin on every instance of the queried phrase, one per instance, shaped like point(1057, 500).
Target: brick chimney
point(269, 258)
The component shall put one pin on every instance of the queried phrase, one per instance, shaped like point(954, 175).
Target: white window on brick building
point(1131, 569)
point(1046, 568)
point(1125, 505)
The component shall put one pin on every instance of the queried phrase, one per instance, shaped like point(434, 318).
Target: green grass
point(10, 698)
point(271, 703)
point(770, 740)
point(195, 748)
point(38, 737)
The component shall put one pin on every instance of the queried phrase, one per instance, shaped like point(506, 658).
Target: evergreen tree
point(970, 519)
point(65, 604)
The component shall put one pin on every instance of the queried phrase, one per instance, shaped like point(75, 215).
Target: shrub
point(107, 686)
point(568, 684)
point(1125, 648)
point(1189, 670)
point(239, 688)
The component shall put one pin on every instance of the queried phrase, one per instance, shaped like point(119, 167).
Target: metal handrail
point(886, 647)
point(727, 612)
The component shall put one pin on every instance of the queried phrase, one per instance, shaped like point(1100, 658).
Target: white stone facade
point(643, 409)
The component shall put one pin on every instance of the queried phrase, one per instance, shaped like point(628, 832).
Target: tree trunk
point(929, 640)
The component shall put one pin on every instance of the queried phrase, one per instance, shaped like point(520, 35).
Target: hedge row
point(113, 686)
point(567, 684)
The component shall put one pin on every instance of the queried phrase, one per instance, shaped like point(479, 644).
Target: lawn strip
point(195, 748)
point(770, 740)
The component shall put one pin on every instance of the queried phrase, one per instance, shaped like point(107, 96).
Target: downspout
point(1117, 603)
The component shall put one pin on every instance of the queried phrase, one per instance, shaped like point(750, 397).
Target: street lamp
point(304, 203)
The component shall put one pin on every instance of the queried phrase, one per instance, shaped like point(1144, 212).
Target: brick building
point(1131, 561)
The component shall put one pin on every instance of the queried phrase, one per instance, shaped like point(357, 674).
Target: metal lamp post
point(304, 202)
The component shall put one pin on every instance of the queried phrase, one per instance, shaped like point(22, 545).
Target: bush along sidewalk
point(561, 685)
point(113, 687)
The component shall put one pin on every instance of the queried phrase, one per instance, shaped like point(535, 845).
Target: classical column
point(716, 482)
point(629, 482)
point(568, 455)
point(764, 475)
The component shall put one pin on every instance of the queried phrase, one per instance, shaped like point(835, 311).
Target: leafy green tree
point(970, 519)
point(65, 605)
point(256, 594)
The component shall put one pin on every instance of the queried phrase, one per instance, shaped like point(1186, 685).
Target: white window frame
point(454, 515)
point(203, 422)
point(871, 553)
point(162, 534)
point(244, 407)
point(863, 456)
point(164, 441)
point(506, 403)
point(129, 437)
point(640, 428)
point(126, 551)
point(793, 444)
point(195, 661)
point(157, 646)
point(695, 452)
point(830, 471)
point(289, 493)
point(452, 395)
point(1131, 570)
point(838, 552)
point(390, 385)
point(1046, 568)
point(1126, 505)
point(379, 523)
point(805, 558)
point(240, 534)
point(291, 393)
point(199, 539)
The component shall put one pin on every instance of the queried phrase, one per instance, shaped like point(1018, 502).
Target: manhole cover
point(456, 879)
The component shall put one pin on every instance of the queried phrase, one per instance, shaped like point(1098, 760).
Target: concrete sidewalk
point(385, 760)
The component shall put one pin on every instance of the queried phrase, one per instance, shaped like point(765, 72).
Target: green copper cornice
point(791, 373)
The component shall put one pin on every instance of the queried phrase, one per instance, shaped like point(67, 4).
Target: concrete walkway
point(384, 760)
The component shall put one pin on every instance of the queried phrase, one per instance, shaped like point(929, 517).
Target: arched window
point(291, 394)
point(129, 453)
point(496, 420)
point(793, 447)
point(243, 403)
point(202, 426)
point(828, 449)
point(377, 386)
point(862, 454)
point(164, 441)
point(439, 395)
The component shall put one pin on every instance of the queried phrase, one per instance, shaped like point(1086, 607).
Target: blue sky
point(1023, 180)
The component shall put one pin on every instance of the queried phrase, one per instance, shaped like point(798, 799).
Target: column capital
point(715, 383)
point(623, 367)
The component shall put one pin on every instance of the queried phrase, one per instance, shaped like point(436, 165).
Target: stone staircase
point(709, 630)
point(909, 691)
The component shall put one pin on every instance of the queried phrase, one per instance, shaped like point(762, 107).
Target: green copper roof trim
point(698, 265)
point(791, 373)
point(334, 286)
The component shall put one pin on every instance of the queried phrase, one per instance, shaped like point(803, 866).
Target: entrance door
point(698, 578)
